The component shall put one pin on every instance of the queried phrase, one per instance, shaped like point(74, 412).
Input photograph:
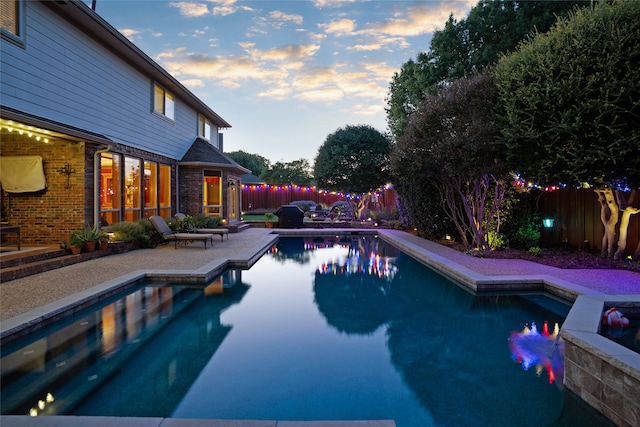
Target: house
point(93, 131)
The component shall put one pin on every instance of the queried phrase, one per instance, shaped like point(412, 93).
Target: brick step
point(62, 259)
point(27, 259)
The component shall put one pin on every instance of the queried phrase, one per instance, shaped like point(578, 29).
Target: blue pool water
point(317, 329)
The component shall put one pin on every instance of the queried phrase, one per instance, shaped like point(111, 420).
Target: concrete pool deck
point(27, 301)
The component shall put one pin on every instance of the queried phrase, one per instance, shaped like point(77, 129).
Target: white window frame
point(204, 127)
point(164, 106)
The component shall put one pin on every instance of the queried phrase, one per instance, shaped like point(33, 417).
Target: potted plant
point(76, 241)
point(270, 218)
point(91, 237)
point(103, 239)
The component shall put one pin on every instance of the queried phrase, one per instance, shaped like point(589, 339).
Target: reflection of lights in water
point(544, 350)
point(374, 265)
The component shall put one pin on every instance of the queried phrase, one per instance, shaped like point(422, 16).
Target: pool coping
point(580, 329)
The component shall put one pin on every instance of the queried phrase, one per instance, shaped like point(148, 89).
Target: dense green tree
point(493, 27)
point(295, 172)
point(569, 99)
point(257, 164)
point(353, 159)
point(569, 109)
point(449, 147)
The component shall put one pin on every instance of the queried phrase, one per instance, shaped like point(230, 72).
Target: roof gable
point(202, 152)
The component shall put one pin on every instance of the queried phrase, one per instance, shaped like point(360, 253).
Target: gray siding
point(64, 75)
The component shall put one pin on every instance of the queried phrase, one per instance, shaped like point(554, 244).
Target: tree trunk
point(627, 211)
point(609, 212)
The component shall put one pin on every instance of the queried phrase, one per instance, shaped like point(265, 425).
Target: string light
point(32, 132)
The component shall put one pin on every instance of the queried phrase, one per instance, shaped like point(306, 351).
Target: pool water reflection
point(318, 329)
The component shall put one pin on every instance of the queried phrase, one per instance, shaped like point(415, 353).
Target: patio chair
point(165, 231)
point(222, 232)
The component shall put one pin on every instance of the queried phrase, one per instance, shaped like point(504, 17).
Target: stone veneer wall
point(603, 373)
point(49, 216)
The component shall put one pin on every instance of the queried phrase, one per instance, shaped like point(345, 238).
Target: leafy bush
point(130, 231)
point(207, 221)
point(527, 235)
point(535, 251)
point(497, 240)
point(395, 224)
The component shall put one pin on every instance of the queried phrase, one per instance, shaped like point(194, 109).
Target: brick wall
point(190, 190)
point(49, 216)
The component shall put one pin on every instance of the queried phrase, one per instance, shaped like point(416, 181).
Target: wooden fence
point(576, 212)
point(273, 196)
point(576, 215)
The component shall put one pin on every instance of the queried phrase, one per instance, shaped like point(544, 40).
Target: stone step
point(17, 268)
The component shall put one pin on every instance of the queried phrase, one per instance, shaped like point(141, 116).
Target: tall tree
point(567, 117)
point(449, 146)
point(254, 162)
point(353, 159)
point(295, 172)
point(493, 27)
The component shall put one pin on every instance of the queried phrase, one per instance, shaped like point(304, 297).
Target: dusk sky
point(284, 74)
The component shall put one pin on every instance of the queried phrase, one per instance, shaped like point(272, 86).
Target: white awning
point(22, 174)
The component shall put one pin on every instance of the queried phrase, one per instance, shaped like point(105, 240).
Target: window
point(11, 15)
point(204, 128)
point(110, 191)
point(150, 189)
point(163, 102)
point(121, 194)
point(212, 193)
point(164, 191)
point(132, 189)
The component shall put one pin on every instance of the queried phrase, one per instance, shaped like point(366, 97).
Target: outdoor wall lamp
point(547, 222)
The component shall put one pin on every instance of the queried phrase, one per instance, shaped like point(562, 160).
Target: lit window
point(212, 193)
point(163, 102)
point(164, 191)
point(110, 188)
point(204, 128)
point(150, 189)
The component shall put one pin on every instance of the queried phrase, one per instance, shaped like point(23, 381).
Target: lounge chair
point(165, 231)
point(222, 232)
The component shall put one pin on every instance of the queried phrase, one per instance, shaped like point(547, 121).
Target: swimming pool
point(323, 328)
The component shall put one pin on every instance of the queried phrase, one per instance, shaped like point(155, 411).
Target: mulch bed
point(569, 258)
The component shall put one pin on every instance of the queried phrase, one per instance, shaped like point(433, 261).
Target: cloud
point(423, 18)
point(227, 72)
point(321, 95)
point(365, 109)
point(129, 33)
point(283, 53)
point(339, 27)
point(171, 53)
point(192, 83)
point(380, 42)
point(279, 91)
point(189, 9)
point(227, 7)
point(331, 3)
point(280, 17)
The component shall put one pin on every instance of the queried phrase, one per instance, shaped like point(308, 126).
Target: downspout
point(96, 184)
point(177, 189)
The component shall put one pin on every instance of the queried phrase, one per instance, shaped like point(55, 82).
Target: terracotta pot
point(104, 244)
point(75, 250)
point(89, 246)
